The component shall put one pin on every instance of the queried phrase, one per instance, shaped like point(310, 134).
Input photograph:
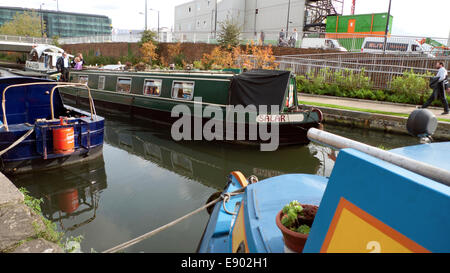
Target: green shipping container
point(352, 29)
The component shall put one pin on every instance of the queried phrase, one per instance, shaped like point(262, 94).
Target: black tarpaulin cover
point(259, 87)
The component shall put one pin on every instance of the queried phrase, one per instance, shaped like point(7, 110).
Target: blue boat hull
point(366, 206)
point(28, 109)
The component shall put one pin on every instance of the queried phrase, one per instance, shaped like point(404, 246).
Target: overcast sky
point(411, 17)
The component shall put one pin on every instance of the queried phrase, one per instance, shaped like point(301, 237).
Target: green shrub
point(409, 88)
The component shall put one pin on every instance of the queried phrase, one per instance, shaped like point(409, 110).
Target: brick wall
point(190, 50)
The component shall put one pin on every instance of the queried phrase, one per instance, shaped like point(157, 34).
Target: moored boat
point(43, 58)
point(39, 132)
point(154, 96)
point(374, 201)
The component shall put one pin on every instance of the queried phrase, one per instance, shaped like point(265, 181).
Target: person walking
point(439, 84)
point(262, 37)
point(281, 37)
point(62, 65)
point(295, 38)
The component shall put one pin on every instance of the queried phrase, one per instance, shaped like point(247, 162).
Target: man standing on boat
point(439, 85)
point(62, 64)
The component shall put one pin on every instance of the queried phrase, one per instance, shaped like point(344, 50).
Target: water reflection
point(208, 162)
point(145, 180)
point(69, 192)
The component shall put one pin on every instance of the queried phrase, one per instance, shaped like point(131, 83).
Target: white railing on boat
point(57, 85)
point(338, 142)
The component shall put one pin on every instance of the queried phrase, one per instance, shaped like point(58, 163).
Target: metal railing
point(350, 41)
point(23, 39)
point(122, 38)
point(380, 69)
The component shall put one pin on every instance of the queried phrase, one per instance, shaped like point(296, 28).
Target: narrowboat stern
point(38, 131)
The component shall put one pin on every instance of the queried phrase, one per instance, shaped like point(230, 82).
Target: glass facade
point(64, 24)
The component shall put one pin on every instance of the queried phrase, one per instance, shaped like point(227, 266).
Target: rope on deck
point(162, 228)
point(17, 142)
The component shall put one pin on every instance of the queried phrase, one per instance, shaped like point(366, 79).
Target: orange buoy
point(63, 140)
point(68, 201)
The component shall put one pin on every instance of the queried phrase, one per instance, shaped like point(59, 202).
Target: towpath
point(385, 108)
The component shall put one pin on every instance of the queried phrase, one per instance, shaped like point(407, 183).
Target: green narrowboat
point(154, 95)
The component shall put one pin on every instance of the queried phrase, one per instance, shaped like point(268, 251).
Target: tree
point(24, 24)
point(175, 55)
point(148, 51)
point(55, 41)
point(148, 36)
point(228, 35)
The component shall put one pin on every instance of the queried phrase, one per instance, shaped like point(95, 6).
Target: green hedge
point(409, 88)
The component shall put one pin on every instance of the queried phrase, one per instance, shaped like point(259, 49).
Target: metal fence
point(352, 42)
point(121, 38)
point(380, 68)
point(22, 39)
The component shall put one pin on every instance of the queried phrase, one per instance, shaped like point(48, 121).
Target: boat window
point(152, 87)
point(123, 85)
point(83, 79)
point(101, 82)
point(182, 90)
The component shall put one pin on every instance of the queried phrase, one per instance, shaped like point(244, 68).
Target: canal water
point(145, 180)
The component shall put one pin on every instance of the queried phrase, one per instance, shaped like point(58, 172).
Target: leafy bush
point(412, 86)
point(409, 88)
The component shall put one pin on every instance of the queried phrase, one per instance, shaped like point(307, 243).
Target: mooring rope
point(162, 228)
point(17, 142)
point(226, 197)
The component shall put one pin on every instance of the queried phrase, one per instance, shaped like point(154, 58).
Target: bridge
point(21, 44)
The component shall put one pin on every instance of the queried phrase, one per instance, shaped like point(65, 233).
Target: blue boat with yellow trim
point(37, 131)
point(374, 201)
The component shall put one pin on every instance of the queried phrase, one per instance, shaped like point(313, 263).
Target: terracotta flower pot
point(293, 240)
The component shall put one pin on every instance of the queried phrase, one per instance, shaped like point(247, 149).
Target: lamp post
point(145, 14)
point(40, 11)
point(57, 10)
point(288, 14)
point(387, 28)
point(215, 21)
point(158, 21)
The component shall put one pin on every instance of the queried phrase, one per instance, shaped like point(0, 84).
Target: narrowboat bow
point(367, 205)
point(39, 132)
point(153, 96)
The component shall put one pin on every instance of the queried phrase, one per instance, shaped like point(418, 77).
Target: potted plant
point(295, 221)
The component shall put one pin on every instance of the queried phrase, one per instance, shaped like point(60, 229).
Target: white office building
point(196, 20)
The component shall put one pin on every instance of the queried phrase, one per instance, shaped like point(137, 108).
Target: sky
point(411, 17)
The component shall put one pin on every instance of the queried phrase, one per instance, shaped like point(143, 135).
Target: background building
point(64, 24)
point(254, 16)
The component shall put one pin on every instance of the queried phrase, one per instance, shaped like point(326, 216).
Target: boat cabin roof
point(49, 49)
point(25, 104)
point(436, 154)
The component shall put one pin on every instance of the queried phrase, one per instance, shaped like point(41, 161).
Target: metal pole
point(57, 9)
point(42, 29)
point(215, 23)
point(387, 27)
point(254, 26)
point(287, 24)
point(159, 37)
point(338, 142)
point(145, 14)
